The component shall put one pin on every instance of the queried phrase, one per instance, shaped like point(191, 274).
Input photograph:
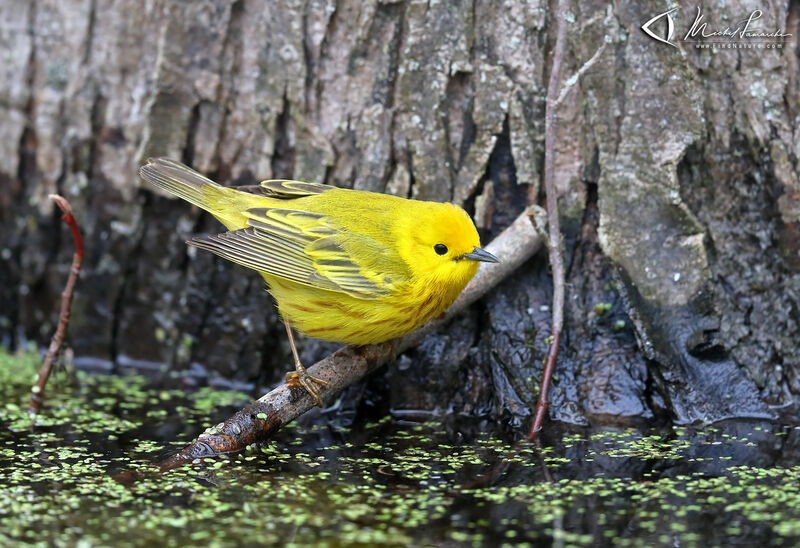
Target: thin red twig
point(37, 392)
point(554, 231)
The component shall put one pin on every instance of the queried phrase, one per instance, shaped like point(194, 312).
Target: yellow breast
point(335, 317)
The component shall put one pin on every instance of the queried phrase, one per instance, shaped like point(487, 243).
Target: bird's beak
point(481, 255)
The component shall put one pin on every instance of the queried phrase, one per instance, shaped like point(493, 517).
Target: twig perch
point(37, 392)
point(554, 231)
point(285, 403)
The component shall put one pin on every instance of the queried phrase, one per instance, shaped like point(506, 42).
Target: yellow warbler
point(343, 265)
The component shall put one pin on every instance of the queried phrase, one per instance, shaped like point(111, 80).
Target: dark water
point(449, 481)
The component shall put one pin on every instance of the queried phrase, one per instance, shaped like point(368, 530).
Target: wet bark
point(678, 170)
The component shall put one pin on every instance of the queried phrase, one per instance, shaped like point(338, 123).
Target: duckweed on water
point(385, 482)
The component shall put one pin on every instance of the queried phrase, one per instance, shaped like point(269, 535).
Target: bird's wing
point(308, 248)
point(284, 188)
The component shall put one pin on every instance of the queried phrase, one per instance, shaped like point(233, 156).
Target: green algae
point(386, 482)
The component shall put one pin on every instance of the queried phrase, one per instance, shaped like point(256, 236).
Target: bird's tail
point(195, 188)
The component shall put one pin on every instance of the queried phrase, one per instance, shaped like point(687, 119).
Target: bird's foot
point(307, 382)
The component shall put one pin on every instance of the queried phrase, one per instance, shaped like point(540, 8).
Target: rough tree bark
point(678, 170)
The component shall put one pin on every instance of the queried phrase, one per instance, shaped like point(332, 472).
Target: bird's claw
point(307, 382)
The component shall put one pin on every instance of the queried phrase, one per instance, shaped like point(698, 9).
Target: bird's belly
point(338, 317)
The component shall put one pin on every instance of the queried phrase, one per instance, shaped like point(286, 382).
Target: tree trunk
point(678, 169)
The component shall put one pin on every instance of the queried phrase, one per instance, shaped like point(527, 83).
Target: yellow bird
point(343, 265)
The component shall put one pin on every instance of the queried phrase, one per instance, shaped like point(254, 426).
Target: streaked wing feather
point(244, 247)
point(257, 190)
point(284, 188)
point(290, 223)
point(303, 247)
point(332, 261)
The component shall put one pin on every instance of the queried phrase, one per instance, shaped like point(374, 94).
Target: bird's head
point(443, 245)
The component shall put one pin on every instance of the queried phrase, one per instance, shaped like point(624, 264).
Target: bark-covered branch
point(285, 403)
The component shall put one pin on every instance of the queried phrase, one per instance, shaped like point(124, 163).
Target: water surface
point(394, 481)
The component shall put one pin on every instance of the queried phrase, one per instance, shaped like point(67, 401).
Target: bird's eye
point(440, 249)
